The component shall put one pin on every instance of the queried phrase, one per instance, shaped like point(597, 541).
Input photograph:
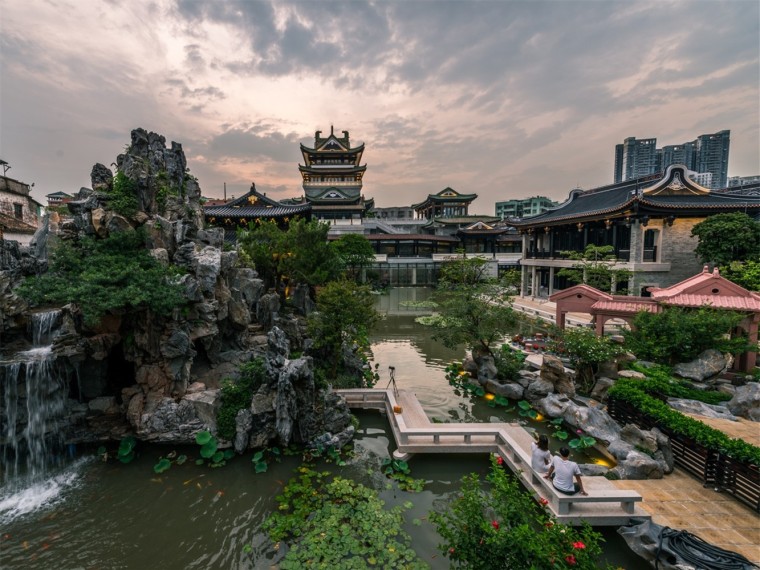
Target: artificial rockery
point(145, 368)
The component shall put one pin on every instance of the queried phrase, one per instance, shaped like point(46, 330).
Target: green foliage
point(122, 197)
point(595, 267)
point(164, 191)
point(262, 458)
point(585, 350)
point(660, 382)
point(508, 362)
point(526, 409)
point(209, 450)
point(105, 275)
point(344, 316)
point(474, 309)
point(355, 253)
point(724, 238)
point(503, 527)
point(236, 395)
point(744, 273)
point(300, 254)
point(582, 442)
point(679, 335)
point(126, 453)
point(668, 418)
point(162, 465)
point(338, 524)
point(399, 471)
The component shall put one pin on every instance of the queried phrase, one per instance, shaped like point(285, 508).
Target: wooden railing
point(711, 466)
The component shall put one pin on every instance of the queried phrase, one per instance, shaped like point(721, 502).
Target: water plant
point(399, 471)
point(210, 452)
point(558, 427)
point(164, 463)
point(526, 410)
point(262, 458)
point(126, 451)
point(338, 523)
point(582, 441)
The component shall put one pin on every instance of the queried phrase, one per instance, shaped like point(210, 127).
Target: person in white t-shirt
point(562, 471)
point(540, 456)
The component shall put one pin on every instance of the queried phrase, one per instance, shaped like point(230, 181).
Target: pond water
point(95, 515)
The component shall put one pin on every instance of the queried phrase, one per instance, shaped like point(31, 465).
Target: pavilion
point(706, 289)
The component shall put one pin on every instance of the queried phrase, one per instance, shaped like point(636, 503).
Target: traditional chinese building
point(253, 207)
point(448, 203)
point(647, 221)
point(332, 179)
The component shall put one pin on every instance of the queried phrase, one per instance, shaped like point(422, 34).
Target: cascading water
point(33, 403)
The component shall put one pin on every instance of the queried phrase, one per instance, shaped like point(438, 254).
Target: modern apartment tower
point(707, 154)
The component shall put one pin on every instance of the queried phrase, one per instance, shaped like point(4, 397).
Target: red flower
point(579, 545)
point(543, 502)
point(500, 460)
point(570, 559)
point(452, 550)
point(495, 524)
point(548, 524)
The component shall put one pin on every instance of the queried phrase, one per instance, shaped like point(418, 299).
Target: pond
point(96, 515)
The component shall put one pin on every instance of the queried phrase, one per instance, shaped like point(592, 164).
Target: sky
point(506, 99)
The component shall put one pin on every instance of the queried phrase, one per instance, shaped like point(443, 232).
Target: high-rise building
point(635, 158)
point(525, 207)
point(707, 154)
point(712, 156)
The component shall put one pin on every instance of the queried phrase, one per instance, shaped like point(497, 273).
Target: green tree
point(503, 527)
point(260, 246)
point(308, 257)
point(300, 254)
point(105, 275)
point(744, 273)
point(594, 267)
point(474, 308)
point(679, 335)
point(724, 238)
point(344, 316)
point(355, 253)
point(586, 352)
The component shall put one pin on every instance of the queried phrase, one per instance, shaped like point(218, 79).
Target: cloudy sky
point(506, 99)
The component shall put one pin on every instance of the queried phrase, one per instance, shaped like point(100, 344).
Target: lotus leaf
point(203, 437)
point(162, 465)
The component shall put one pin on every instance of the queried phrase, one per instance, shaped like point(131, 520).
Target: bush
point(660, 382)
point(503, 527)
point(508, 362)
point(679, 335)
point(586, 351)
point(105, 275)
point(677, 423)
point(236, 395)
point(122, 198)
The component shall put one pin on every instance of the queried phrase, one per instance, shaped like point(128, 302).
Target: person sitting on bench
point(562, 470)
point(540, 456)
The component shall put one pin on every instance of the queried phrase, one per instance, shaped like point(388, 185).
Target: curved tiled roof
point(254, 205)
point(630, 195)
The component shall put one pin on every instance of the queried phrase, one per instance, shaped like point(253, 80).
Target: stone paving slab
point(680, 502)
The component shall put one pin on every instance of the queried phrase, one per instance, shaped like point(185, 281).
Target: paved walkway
point(680, 502)
point(742, 429)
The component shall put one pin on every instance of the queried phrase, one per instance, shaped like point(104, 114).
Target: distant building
point(702, 178)
point(525, 207)
point(58, 198)
point(707, 153)
point(739, 181)
point(447, 203)
point(19, 212)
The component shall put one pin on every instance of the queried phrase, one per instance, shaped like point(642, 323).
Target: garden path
point(680, 502)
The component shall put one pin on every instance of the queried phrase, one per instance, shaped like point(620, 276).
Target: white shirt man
point(563, 470)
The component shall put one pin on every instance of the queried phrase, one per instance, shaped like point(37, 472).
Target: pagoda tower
point(332, 178)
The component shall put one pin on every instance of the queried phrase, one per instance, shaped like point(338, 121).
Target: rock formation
point(136, 367)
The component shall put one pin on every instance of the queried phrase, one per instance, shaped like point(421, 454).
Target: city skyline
point(515, 99)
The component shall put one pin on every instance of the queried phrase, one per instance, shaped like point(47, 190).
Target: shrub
point(676, 422)
point(122, 198)
point(660, 382)
point(679, 335)
point(105, 275)
point(503, 527)
point(508, 362)
point(586, 351)
point(236, 395)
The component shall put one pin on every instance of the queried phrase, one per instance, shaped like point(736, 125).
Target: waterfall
point(33, 403)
